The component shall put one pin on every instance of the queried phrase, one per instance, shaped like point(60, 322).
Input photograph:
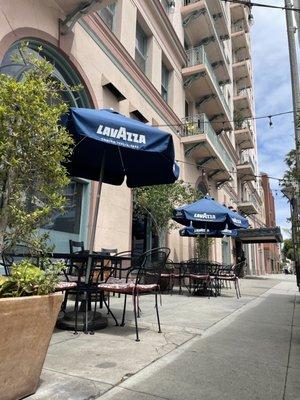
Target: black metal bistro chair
point(141, 278)
point(227, 274)
point(75, 248)
point(200, 277)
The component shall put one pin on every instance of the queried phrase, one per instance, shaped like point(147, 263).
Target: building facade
point(271, 250)
point(183, 65)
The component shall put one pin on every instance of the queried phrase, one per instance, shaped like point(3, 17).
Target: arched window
point(63, 72)
point(71, 224)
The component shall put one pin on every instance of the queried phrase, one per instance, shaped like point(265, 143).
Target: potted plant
point(34, 148)
point(28, 311)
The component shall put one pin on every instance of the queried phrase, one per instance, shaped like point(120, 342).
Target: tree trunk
point(161, 238)
point(5, 195)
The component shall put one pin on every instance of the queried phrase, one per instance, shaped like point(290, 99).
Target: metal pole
point(95, 218)
point(296, 109)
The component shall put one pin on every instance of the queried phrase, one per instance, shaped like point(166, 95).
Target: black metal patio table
point(87, 320)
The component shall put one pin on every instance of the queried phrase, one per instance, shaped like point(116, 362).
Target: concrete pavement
point(251, 354)
point(218, 348)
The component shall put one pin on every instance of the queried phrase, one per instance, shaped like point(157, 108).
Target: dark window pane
point(69, 221)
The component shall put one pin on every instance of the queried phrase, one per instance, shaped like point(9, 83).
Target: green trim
point(119, 65)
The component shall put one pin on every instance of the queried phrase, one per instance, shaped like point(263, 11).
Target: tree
point(159, 201)
point(288, 249)
point(33, 148)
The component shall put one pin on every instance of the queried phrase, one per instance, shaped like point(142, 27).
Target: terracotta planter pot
point(26, 326)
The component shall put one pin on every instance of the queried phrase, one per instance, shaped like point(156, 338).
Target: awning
point(261, 235)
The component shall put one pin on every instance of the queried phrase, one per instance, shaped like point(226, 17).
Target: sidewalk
point(218, 348)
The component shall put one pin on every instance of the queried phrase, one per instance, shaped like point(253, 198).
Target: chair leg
point(138, 306)
point(236, 289)
point(76, 312)
point(124, 310)
point(110, 312)
point(157, 314)
point(64, 303)
point(86, 313)
point(108, 301)
point(135, 318)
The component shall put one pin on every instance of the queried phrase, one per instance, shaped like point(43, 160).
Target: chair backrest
point(198, 267)
point(109, 251)
point(7, 262)
point(116, 266)
point(153, 262)
point(238, 269)
point(76, 247)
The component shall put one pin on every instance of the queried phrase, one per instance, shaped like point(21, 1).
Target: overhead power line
point(269, 116)
point(230, 172)
point(253, 4)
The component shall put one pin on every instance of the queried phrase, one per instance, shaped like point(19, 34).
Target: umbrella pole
point(206, 242)
point(94, 225)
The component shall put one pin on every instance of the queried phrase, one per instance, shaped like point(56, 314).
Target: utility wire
point(253, 4)
point(270, 116)
point(230, 172)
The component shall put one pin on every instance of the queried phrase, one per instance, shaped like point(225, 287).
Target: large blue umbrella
point(110, 146)
point(115, 146)
point(208, 214)
point(190, 231)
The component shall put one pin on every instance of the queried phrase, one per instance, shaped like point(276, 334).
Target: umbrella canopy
point(144, 154)
point(208, 214)
point(190, 231)
point(110, 146)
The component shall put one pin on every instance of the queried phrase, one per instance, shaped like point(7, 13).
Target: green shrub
point(26, 279)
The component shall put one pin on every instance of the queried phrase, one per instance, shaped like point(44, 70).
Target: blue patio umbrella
point(190, 231)
point(110, 147)
point(208, 214)
point(115, 146)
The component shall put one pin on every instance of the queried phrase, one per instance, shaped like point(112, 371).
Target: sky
point(273, 95)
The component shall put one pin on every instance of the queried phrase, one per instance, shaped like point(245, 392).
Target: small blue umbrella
point(110, 146)
point(208, 214)
point(190, 231)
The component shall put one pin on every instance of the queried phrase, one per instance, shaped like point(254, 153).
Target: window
point(107, 15)
point(141, 48)
point(164, 82)
point(69, 221)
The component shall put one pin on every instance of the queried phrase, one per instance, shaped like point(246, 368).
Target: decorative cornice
point(114, 49)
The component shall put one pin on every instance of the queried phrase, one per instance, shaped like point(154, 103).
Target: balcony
point(220, 16)
point(244, 137)
point(246, 169)
point(243, 103)
point(248, 206)
point(242, 74)
point(200, 29)
point(203, 145)
point(240, 38)
point(200, 77)
point(240, 13)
